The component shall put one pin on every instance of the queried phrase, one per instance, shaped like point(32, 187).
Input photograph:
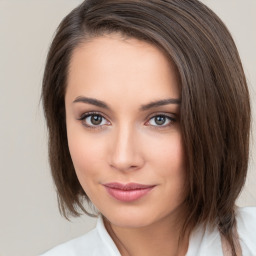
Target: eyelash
point(171, 120)
point(90, 114)
point(100, 126)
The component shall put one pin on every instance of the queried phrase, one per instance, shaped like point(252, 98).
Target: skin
point(128, 144)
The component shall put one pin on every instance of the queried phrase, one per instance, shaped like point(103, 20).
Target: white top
point(99, 243)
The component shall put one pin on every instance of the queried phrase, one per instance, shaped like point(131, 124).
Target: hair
point(215, 108)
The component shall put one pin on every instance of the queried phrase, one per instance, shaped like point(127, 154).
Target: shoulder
point(86, 243)
point(207, 240)
point(97, 242)
point(246, 228)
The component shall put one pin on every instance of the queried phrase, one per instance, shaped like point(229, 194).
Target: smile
point(128, 192)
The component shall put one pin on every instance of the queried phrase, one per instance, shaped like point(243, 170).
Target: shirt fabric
point(202, 241)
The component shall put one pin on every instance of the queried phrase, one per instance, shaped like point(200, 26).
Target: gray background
point(29, 219)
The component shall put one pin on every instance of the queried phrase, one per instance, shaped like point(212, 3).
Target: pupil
point(96, 120)
point(160, 120)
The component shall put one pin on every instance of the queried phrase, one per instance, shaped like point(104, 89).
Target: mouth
point(127, 192)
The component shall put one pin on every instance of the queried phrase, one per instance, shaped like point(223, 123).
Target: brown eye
point(161, 120)
point(96, 119)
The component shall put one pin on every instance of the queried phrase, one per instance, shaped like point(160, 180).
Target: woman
point(148, 114)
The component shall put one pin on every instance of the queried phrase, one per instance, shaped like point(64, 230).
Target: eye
point(160, 120)
point(93, 120)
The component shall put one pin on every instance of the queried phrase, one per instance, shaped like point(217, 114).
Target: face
point(122, 116)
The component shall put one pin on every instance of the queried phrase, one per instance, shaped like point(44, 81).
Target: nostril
point(127, 164)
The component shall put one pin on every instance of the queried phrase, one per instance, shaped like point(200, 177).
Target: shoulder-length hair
point(215, 108)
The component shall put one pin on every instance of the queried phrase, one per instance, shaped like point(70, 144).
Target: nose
point(125, 154)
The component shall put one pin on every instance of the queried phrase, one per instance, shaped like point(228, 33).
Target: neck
point(161, 238)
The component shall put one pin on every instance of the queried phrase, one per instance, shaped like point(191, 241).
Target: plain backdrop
point(29, 219)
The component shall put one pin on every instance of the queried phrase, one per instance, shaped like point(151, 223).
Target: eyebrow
point(91, 101)
point(159, 103)
point(150, 105)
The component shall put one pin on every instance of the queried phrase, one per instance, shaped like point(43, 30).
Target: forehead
point(113, 65)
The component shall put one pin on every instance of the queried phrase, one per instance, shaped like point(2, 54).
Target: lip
point(127, 192)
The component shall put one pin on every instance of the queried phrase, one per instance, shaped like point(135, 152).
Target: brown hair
point(215, 109)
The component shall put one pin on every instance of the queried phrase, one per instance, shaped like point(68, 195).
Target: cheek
point(84, 152)
point(169, 164)
point(169, 153)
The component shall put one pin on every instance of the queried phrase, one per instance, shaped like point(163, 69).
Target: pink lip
point(127, 192)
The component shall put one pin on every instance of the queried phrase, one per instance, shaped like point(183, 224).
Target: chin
point(130, 222)
point(131, 218)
